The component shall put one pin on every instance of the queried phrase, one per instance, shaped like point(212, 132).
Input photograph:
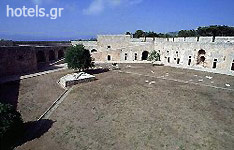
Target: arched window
point(201, 52)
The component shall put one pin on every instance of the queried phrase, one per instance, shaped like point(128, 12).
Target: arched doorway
point(201, 57)
point(60, 54)
point(109, 58)
point(145, 55)
point(41, 57)
point(51, 55)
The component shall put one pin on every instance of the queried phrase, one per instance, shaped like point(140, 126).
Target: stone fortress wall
point(203, 53)
point(22, 59)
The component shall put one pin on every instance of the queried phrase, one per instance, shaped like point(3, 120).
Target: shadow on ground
point(9, 93)
point(34, 130)
point(97, 71)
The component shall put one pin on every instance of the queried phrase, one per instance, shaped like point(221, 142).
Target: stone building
point(200, 53)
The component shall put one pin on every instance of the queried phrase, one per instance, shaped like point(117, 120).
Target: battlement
point(202, 39)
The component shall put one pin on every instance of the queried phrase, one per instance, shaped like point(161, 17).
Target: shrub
point(154, 56)
point(11, 126)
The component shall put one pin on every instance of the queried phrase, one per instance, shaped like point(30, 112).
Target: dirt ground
point(142, 107)
point(33, 96)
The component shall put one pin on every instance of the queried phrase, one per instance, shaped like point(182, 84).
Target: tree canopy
point(77, 57)
point(138, 34)
point(214, 30)
point(187, 33)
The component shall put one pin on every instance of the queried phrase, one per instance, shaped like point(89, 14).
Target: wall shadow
point(9, 93)
point(34, 130)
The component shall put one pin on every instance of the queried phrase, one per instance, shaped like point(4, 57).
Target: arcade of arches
point(46, 56)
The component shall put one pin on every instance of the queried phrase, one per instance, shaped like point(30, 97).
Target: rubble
point(75, 78)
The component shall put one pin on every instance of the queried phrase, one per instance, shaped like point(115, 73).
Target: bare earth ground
point(33, 96)
point(128, 111)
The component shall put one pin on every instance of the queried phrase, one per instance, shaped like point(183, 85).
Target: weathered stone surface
point(26, 59)
point(75, 78)
point(177, 52)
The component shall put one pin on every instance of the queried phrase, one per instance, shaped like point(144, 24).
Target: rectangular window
point(178, 61)
point(215, 63)
point(232, 66)
point(135, 56)
point(126, 56)
point(190, 60)
point(168, 59)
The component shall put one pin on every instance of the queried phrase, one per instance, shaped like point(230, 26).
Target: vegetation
point(141, 33)
point(215, 30)
point(138, 34)
point(187, 33)
point(91, 39)
point(154, 56)
point(11, 126)
point(128, 33)
point(77, 57)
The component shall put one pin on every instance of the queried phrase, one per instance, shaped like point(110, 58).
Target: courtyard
point(138, 107)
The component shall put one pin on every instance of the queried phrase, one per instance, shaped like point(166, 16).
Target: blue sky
point(87, 18)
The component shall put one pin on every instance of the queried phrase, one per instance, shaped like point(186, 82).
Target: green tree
point(187, 33)
point(152, 34)
point(11, 126)
point(154, 56)
point(77, 57)
point(138, 34)
point(216, 30)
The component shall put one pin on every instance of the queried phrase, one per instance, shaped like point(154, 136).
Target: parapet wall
point(208, 39)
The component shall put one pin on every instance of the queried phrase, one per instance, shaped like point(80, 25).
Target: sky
point(83, 19)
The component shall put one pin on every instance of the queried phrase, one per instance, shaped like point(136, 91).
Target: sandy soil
point(129, 111)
